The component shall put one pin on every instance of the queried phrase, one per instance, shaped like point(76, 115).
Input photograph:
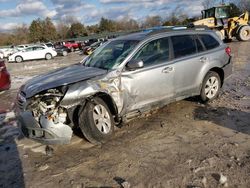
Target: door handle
point(203, 59)
point(167, 70)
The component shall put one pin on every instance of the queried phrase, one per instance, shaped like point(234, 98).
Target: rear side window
point(183, 45)
point(209, 41)
point(199, 45)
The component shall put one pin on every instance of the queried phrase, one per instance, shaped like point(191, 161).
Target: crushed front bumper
point(45, 131)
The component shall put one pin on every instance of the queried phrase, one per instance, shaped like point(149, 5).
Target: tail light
point(228, 51)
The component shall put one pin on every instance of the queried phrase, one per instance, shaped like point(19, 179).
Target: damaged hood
point(60, 77)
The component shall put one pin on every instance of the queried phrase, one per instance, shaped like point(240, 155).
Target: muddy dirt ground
point(186, 144)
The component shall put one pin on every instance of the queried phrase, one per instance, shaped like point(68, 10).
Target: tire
point(210, 86)
point(64, 53)
point(96, 121)
point(243, 33)
point(18, 59)
point(220, 35)
point(48, 56)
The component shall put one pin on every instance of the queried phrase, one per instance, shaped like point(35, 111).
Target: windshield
point(110, 55)
point(222, 12)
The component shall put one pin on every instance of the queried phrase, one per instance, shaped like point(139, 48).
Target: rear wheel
point(210, 87)
point(96, 121)
point(18, 59)
point(65, 53)
point(220, 35)
point(48, 56)
point(244, 33)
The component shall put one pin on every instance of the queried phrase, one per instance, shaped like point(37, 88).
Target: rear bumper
point(228, 69)
point(45, 131)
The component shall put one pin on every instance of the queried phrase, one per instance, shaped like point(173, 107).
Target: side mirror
point(135, 64)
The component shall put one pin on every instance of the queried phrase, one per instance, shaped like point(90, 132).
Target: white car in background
point(33, 52)
point(5, 52)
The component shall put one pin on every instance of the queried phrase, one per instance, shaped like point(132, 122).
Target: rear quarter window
point(209, 41)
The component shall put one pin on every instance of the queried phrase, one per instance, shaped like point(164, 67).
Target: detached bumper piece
point(46, 131)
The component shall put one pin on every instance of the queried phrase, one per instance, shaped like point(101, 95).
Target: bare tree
point(69, 20)
point(152, 21)
point(62, 29)
point(21, 34)
point(244, 5)
point(208, 3)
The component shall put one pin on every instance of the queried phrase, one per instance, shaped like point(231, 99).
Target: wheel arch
point(48, 53)
point(220, 72)
point(74, 113)
point(19, 56)
point(109, 102)
point(238, 29)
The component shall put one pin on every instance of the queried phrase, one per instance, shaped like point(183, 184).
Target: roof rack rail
point(161, 29)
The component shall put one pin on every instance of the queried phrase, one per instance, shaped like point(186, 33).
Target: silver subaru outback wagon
point(121, 80)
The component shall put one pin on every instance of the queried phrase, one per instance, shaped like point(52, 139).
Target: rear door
point(39, 52)
point(189, 58)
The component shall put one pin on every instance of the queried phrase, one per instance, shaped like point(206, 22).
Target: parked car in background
point(124, 78)
point(87, 50)
point(62, 50)
point(71, 45)
point(6, 52)
point(48, 44)
point(31, 53)
point(90, 41)
point(4, 77)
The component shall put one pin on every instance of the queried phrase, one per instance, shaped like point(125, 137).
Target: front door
point(152, 84)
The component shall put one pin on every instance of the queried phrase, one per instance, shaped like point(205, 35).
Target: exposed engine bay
point(44, 110)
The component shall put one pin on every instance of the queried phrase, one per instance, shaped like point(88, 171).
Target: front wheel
point(48, 56)
point(18, 59)
point(244, 33)
point(96, 121)
point(210, 87)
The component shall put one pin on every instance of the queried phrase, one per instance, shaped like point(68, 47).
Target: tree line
point(43, 30)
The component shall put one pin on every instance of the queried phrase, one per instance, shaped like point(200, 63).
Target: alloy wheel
point(102, 119)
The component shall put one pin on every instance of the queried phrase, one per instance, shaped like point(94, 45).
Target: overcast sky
point(16, 12)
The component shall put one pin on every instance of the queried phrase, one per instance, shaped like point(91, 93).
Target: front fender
point(78, 92)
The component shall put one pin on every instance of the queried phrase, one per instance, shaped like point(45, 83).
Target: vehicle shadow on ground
point(10, 163)
point(230, 118)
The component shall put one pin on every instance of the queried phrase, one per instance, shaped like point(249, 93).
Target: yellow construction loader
point(218, 19)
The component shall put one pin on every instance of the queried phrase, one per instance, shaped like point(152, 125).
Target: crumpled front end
point(42, 119)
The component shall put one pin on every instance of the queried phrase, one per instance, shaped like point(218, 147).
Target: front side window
point(209, 41)
point(183, 45)
point(154, 52)
point(110, 55)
